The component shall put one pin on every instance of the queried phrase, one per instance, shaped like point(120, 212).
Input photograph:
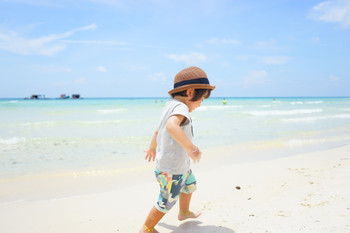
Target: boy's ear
point(190, 92)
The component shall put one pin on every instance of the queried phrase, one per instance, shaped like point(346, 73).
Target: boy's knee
point(188, 189)
point(164, 207)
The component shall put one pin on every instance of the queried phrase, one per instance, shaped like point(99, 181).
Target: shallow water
point(56, 135)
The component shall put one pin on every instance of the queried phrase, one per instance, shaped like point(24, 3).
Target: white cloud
point(336, 11)
point(62, 3)
point(334, 78)
point(189, 58)
point(45, 45)
point(266, 44)
point(315, 40)
point(218, 41)
point(137, 67)
point(256, 77)
point(80, 81)
point(96, 42)
point(102, 69)
point(157, 76)
point(275, 60)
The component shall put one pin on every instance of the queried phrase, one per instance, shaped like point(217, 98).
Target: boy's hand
point(195, 155)
point(150, 154)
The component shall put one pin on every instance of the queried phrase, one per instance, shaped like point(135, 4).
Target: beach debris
point(238, 187)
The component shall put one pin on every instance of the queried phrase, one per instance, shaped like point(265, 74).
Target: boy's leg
point(184, 202)
point(152, 219)
point(184, 205)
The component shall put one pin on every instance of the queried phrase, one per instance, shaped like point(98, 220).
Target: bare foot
point(190, 214)
point(145, 230)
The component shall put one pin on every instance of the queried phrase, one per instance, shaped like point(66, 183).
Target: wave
point(314, 102)
point(315, 141)
point(218, 107)
point(99, 122)
point(316, 118)
point(12, 141)
point(296, 102)
point(307, 102)
point(107, 111)
point(283, 112)
point(265, 106)
point(41, 123)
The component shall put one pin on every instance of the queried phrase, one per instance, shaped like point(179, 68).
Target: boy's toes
point(190, 214)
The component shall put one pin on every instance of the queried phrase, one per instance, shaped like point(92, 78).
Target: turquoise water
point(54, 135)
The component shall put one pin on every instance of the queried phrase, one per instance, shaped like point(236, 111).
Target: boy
point(172, 147)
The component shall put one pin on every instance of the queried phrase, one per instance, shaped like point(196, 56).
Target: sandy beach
point(301, 193)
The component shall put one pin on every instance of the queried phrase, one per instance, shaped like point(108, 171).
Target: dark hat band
point(192, 81)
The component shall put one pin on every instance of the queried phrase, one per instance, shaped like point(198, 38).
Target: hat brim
point(193, 86)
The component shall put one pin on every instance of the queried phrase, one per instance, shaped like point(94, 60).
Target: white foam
point(284, 112)
point(307, 102)
point(40, 123)
point(265, 106)
point(316, 118)
point(301, 142)
point(12, 141)
point(11, 202)
point(99, 122)
point(107, 111)
point(314, 102)
point(218, 107)
point(313, 141)
point(296, 102)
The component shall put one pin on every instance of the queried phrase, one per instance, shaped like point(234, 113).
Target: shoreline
point(102, 178)
point(306, 192)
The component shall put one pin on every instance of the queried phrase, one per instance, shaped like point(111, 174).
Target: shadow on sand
point(196, 227)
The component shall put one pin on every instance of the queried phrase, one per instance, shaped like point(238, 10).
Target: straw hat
point(191, 77)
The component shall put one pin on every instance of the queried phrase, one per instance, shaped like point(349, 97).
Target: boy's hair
point(198, 93)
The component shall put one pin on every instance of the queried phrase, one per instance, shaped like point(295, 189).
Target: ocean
point(59, 135)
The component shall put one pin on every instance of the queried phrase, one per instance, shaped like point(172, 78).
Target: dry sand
point(307, 192)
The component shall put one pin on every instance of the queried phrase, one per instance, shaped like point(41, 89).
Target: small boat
point(64, 96)
point(37, 97)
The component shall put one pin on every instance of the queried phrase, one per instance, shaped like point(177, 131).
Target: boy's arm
point(151, 152)
point(175, 131)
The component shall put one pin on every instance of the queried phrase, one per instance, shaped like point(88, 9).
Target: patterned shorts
point(171, 186)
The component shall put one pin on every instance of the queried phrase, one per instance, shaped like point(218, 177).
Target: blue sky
point(126, 48)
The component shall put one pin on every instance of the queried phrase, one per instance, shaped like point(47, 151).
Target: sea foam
point(12, 141)
point(107, 111)
point(218, 107)
point(284, 112)
point(316, 118)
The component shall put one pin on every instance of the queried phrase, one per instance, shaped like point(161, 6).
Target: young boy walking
point(172, 147)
